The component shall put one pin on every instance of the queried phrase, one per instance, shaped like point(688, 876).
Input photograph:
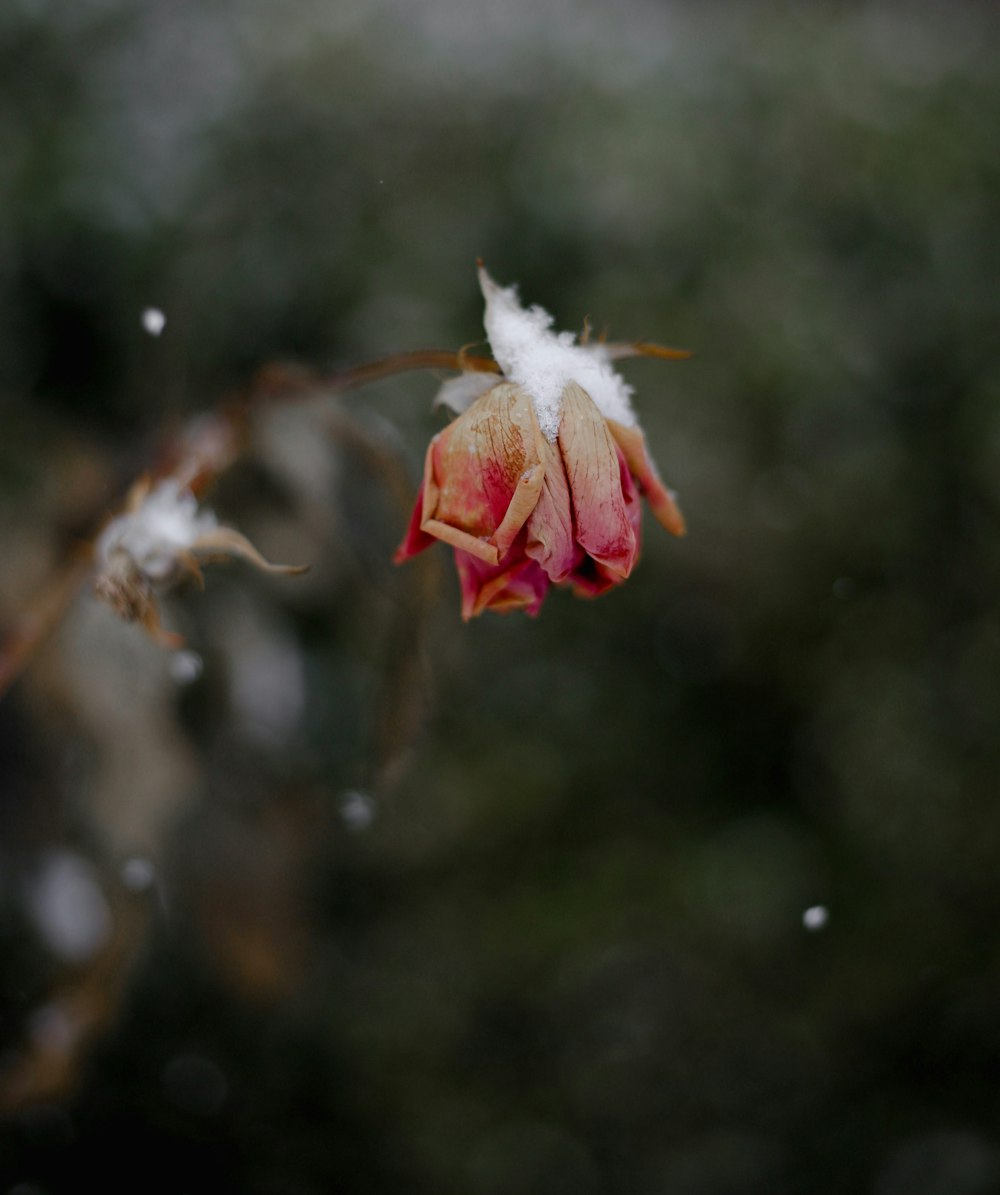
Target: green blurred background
point(382, 902)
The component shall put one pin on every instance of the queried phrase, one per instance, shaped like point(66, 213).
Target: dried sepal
point(122, 587)
point(221, 543)
point(160, 538)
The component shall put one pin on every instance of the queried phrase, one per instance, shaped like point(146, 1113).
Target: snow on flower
point(162, 536)
point(537, 480)
point(163, 524)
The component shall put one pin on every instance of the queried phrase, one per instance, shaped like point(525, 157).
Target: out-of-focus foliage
point(383, 903)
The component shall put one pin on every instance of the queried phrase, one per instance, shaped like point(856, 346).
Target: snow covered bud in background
point(537, 481)
point(161, 537)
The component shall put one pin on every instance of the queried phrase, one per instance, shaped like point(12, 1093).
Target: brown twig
point(645, 348)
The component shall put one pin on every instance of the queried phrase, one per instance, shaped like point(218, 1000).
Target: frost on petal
point(544, 362)
point(597, 477)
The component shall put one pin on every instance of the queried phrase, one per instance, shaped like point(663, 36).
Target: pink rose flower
point(533, 484)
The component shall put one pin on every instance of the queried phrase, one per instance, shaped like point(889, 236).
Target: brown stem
point(645, 348)
point(386, 367)
point(282, 383)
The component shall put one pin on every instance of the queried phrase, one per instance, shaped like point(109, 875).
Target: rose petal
point(416, 539)
point(550, 526)
point(661, 501)
point(591, 579)
point(483, 476)
point(517, 584)
point(603, 527)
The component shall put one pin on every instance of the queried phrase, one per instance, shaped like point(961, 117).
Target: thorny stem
point(208, 446)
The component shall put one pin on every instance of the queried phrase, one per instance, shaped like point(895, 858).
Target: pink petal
point(661, 501)
point(516, 584)
point(550, 526)
point(589, 578)
point(482, 477)
point(592, 460)
point(416, 539)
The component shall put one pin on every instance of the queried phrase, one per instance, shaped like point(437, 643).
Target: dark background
point(382, 902)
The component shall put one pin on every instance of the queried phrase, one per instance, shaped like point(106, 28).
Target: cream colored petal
point(455, 537)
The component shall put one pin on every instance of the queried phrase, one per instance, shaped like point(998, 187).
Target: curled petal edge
point(661, 501)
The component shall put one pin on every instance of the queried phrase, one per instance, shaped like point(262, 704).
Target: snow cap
point(543, 361)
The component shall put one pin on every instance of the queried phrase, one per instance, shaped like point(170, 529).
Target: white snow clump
point(166, 523)
point(543, 361)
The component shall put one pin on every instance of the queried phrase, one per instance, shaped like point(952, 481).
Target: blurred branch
point(206, 447)
point(210, 444)
point(42, 617)
point(258, 947)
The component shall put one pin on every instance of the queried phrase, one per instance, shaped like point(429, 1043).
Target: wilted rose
point(532, 491)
